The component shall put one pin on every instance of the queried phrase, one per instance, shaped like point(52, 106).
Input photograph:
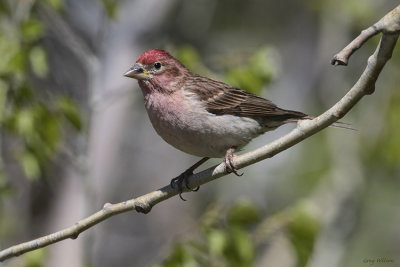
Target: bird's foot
point(230, 166)
point(181, 180)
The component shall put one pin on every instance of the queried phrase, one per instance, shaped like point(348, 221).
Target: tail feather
point(343, 125)
point(296, 116)
point(283, 116)
point(337, 124)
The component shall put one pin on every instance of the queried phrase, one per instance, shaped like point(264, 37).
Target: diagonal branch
point(364, 86)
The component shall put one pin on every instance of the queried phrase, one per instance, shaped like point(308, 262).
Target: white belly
point(193, 130)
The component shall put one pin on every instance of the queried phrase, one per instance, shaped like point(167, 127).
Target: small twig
point(389, 24)
point(365, 85)
point(342, 58)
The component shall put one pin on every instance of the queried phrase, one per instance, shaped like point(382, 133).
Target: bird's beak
point(138, 72)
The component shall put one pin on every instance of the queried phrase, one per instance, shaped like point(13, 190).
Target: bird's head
point(155, 64)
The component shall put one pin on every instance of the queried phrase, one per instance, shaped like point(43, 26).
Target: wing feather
point(220, 98)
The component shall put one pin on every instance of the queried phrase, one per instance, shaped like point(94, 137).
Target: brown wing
point(221, 98)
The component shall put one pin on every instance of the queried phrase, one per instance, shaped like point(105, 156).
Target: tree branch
point(389, 24)
point(364, 86)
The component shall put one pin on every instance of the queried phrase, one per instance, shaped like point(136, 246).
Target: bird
point(202, 116)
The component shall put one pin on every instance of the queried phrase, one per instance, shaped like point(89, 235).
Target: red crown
point(153, 55)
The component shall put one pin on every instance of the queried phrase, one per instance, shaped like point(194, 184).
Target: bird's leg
point(229, 164)
point(183, 178)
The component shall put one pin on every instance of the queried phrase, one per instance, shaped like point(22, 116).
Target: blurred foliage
point(303, 179)
point(35, 258)
point(360, 11)
point(190, 57)
point(303, 229)
point(56, 4)
point(35, 120)
point(111, 8)
point(225, 238)
point(248, 71)
point(389, 157)
point(258, 70)
point(232, 236)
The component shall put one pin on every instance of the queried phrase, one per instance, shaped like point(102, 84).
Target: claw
point(183, 178)
point(230, 166)
point(178, 182)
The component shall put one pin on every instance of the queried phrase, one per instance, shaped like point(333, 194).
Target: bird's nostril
point(138, 69)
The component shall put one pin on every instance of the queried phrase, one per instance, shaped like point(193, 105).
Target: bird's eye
point(157, 65)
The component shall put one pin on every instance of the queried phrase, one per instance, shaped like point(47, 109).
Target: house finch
point(201, 116)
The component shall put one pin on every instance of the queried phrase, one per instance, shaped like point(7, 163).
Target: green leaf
point(264, 63)
point(243, 214)
point(11, 54)
point(49, 132)
point(189, 56)
point(111, 8)
point(35, 258)
point(3, 95)
point(180, 257)
point(58, 5)
point(38, 60)
point(71, 112)
point(304, 227)
point(245, 78)
point(24, 122)
point(242, 252)
point(217, 241)
point(31, 30)
point(255, 72)
point(30, 164)
point(17, 63)
point(21, 96)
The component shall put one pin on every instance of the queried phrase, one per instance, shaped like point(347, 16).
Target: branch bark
point(364, 86)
